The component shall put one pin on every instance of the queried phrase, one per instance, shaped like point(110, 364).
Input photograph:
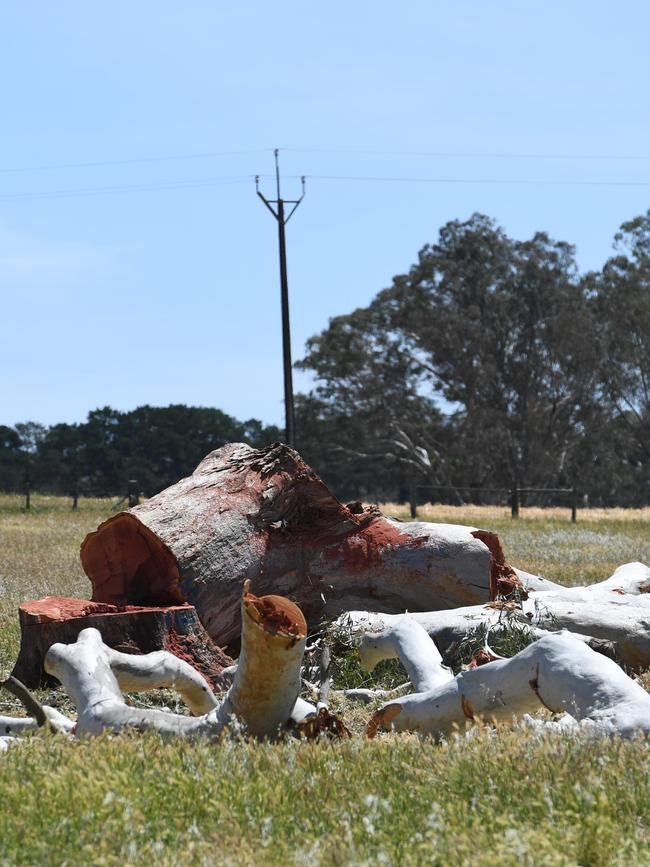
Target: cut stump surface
point(128, 628)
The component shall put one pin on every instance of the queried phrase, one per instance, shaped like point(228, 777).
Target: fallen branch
point(410, 643)
point(614, 612)
point(33, 707)
point(39, 715)
point(557, 672)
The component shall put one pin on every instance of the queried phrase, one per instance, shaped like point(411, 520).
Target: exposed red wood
point(128, 628)
point(503, 578)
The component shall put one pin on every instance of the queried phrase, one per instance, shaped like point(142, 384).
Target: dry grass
point(479, 515)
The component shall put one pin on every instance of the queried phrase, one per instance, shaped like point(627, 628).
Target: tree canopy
point(155, 445)
point(493, 362)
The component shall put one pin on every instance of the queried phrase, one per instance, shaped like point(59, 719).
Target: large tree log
point(129, 629)
point(264, 515)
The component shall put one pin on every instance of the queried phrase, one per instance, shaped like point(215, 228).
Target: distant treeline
point(493, 363)
point(155, 445)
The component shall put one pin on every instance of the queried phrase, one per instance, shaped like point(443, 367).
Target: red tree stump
point(130, 629)
point(265, 515)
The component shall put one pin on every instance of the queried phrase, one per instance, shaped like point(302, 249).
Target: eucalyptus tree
point(500, 333)
point(622, 292)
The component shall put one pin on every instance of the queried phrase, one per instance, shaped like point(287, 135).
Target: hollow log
point(129, 629)
point(264, 515)
point(557, 672)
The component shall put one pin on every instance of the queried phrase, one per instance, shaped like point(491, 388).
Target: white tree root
point(411, 644)
point(39, 715)
point(261, 698)
point(556, 672)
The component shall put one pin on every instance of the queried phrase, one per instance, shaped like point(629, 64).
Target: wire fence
point(517, 498)
point(129, 495)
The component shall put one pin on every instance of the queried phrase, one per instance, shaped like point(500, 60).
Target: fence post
point(514, 502)
point(28, 502)
point(133, 493)
point(413, 501)
point(75, 499)
point(574, 506)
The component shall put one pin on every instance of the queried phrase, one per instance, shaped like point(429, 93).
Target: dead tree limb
point(557, 672)
point(615, 611)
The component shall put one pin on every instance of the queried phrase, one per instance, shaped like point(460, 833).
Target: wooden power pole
point(282, 219)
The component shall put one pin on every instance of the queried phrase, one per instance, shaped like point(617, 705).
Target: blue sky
point(169, 294)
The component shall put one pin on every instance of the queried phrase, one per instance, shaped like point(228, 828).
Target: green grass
point(499, 798)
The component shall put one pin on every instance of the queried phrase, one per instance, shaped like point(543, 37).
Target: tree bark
point(265, 515)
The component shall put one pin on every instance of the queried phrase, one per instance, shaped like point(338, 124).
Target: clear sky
point(169, 293)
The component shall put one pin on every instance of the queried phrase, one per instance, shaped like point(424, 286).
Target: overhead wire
point(467, 154)
point(188, 183)
point(143, 187)
point(352, 151)
point(132, 161)
point(505, 181)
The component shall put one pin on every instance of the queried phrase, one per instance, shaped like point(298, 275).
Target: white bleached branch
point(557, 672)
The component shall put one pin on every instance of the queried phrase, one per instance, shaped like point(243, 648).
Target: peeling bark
point(265, 515)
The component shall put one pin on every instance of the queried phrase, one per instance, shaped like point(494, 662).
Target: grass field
point(500, 797)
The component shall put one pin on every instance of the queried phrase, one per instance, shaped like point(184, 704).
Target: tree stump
point(129, 629)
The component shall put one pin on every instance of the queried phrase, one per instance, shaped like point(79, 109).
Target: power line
point(468, 154)
point(140, 188)
point(497, 181)
point(191, 183)
point(352, 151)
point(132, 161)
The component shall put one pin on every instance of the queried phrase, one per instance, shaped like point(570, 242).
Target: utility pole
point(282, 219)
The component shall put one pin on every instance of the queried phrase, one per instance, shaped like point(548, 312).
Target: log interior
point(127, 563)
point(276, 614)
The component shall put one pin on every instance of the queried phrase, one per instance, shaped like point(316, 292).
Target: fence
point(132, 495)
point(515, 496)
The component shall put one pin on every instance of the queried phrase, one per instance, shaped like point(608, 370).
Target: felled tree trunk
point(129, 629)
point(265, 515)
point(261, 698)
point(557, 672)
point(615, 611)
